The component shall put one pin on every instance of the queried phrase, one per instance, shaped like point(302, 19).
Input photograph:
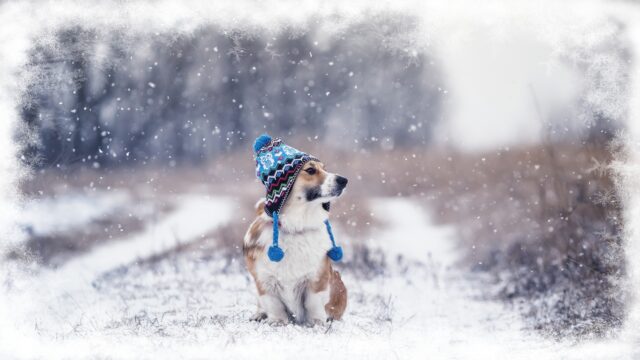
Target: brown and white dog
point(302, 288)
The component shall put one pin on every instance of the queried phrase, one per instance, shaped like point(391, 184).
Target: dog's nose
point(341, 180)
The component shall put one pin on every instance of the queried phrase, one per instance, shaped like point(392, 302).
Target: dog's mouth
point(336, 192)
point(315, 193)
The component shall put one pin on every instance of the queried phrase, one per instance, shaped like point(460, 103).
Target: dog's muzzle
point(341, 183)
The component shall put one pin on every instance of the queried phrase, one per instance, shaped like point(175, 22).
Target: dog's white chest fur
point(304, 255)
point(305, 243)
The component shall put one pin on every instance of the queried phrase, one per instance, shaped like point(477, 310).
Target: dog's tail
point(260, 207)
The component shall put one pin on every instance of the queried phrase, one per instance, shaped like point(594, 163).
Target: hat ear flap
point(335, 253)
point(275, 253)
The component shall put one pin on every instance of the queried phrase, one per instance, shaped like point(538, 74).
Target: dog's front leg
point(274, 308)
point(260, 314)
point(314, 305)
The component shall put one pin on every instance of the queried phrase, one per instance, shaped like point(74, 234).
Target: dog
point(303, 288)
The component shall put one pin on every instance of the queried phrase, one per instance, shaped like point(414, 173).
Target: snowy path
point(196, 215)
point(66, 295)
point(190, 307)
point(442, 317)
point(37, 213)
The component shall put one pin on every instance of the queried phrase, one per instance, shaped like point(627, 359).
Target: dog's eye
point(310, 171)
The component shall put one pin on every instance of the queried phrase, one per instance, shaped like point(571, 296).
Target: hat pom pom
point(335, 253)
point(275, 253)
point(261, 141)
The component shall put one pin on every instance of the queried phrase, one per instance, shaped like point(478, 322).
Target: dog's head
point(316, 185)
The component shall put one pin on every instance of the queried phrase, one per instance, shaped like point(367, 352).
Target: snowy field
point(125, 299)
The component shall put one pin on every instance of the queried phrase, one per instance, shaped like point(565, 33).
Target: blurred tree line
point(103, 99)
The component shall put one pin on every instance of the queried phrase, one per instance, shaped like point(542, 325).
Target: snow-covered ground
point(35, 217)
point(106, 303)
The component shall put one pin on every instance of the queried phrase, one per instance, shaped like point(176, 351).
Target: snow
point(629, 170)
point(65, 294)
point(108, 304)
point(55, 214)
point(410, 233)
point(196, 215)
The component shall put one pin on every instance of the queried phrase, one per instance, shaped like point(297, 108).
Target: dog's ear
point(326, 206)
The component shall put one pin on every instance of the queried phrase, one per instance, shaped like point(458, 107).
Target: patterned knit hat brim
point(277, 204)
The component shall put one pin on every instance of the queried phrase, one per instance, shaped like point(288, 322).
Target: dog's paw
point(277, 322)
point(259, 316)
point(316, 322)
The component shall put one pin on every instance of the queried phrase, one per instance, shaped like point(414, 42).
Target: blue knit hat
point(277, 166)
